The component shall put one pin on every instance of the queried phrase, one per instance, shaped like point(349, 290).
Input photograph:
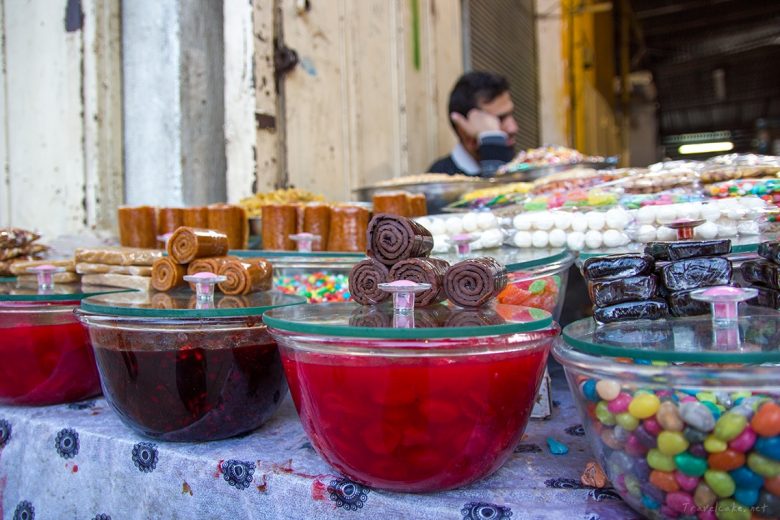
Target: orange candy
point(664, 480)
point(726, 460)
point(766, 421)
point(773, 485)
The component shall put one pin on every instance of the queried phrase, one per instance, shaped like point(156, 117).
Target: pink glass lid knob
point(204, 286)
point(725, 301)
point(463, 243)
point(45, 275)
point(305, 241)
point(403, 292)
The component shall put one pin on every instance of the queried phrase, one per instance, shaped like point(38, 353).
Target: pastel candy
point(690, 465)
point(744, 441)
point(726, 460)
point(763, 466)
point(720, 482)
point(686, 482)
point(769, 447)
point(694, 436)
point(746, 497)
point(626, 421)
point(643, 406)
point(704, 497)
point(608, 390)
point(619, 404)
point(768, 505)
point(729, 426)
point(681, 502)
point(664, 480)
point(669, 418)
point(644, 438)
point(698, 416)
point(714, 445)
point(731, 510)
point(660, 461)
point(746, 478)
point(766, 422)
point(672, 443)
point(603, 414)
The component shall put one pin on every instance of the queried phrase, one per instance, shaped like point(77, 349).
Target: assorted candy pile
point(767, 189)
point(539, 293)
point(317, 287)
point(686, 453)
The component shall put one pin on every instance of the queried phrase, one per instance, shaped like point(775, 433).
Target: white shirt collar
point(464, 160)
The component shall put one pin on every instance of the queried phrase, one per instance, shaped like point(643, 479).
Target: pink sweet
point(652, 426)
point(708, 514)
point(744, 441)
point(668, 512)
point(681, 502)
point(686, 482)
point(689, 399)
point(634, 447)
point(620, 484)
point(620, 403)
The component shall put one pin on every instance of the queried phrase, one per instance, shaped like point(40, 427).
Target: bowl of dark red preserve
point(176, 369)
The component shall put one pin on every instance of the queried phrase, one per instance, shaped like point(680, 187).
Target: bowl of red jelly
point(424, 402)
point(175, 371)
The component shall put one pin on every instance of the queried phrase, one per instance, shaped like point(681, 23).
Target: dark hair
point(474, 88)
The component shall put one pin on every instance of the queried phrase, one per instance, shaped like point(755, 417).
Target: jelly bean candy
point(668, 417)
point(697, 415)
point(746, 497)
point(714, 445)
point(589, 390)
point(627, 421)
point(619, 404)
point(766, 422)
point(731, 510)
point(746, 478)
point(768, 505)
point(603, 414)
point(660, 461)
point(644, 405)
point(729, 426)
point(686, 482)
point(664, 480)
point(769, 447)
point(726, 460)
point(672, 443)
point(744, 441)
point(681, 502)
point(608, 390)
point(763, 466)
point(720, 482)
point(704, 497)
point(690, 465)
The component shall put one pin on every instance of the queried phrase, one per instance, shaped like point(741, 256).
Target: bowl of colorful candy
point(422, 401)
point(176, 367)
point(318, 276)
point(684, 413)
point(46, 354)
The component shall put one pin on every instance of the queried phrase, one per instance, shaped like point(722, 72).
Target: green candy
point(690, 465)
point(765, 467)
point(707, 396)
point(672, 443)
point(633, 486)
point(603, 414)
point(627, 421)
point(720, 482)
point(714, 445)
point(537, 287)
point(729, 426)
point(732, 510)
point(660, 461)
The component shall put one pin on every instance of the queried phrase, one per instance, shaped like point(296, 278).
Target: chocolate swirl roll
point(423, 270)
point(316, 220)
point(364, 280)
point(138, 226)
point(371, 317)
point(197, 217)
point(167, 274)
point(348, 226)
point(246, 277)
point(186, 244)
point(279, 222)
point(474, 282)
point(474, 318)
point(168, 221)
point(392, 238)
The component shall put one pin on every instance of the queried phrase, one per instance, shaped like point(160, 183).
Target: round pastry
point(562, 219)
point(470, 222)
point(593, 239)
point(453, 226)
point(522, 239)
point(575, 240)
point(596, 220)
point(612, 238)
point(492, 238)
point(579, 224)
point(521, 222)
point(617, 219)
point(710, 212)
point(646, 233)
point(706, 231)
point(645, 215)
point(557, 237)
point(540, 238)
point(666, 234)
point(666, 214)
point(486, 220)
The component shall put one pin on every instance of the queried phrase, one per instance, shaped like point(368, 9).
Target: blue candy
point(746, 497)
point(589, 390)
point(745, 478)
point(649, 503)
point(769, 447)
point(557, 448)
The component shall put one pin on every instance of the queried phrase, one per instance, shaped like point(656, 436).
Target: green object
point(690, 465)
point(660, 461)
point(732, 510)
point(672, 443)
point(729, 426)
point(604, 416)
point(627, 421)
point(714, 445)
point(633, 486)
point(416, 34)
point(720, 482)
point(764, 466)
point(537, 286)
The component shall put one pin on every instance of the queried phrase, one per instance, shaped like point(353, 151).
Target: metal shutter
point(501, 37)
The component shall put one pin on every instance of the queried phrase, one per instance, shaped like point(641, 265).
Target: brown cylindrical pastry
point(138, 226)
point(163, 300)
point(474, 318)
point(167, 274)
point(392, 238)
point(423, 270)
point(418, 205)
point(364, 280)
point(197, 217)
point(168, 221)
point(394, 203)
point(348, 225)
point(245, 277)
point(474, 282)
point(232, 302)
point(279, 222)
point(316, 220)
point(187, 244)
point(232, 221)
point(210, 264)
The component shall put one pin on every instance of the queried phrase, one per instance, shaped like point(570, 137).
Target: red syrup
point(46, 357)
point(416, 424)
point(190, 386)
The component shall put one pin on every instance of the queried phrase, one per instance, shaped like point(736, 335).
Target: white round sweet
point(441, 244)
point(562, 219)
point(557, 237)
point(543, 220)
point(706, 231)
point(596, 220)
point(470, 222)
point(646, 233)
point(575, 240)
point(486, 220)
point(617, 219)
point(522, 239)
point(540, 239)
point(454, 225)
point(593, 239)
point(424, 222)
point(477, 244)
point(437, 227)
point(624, 240)
point(579, 223)
point(613, 238)
point(645, 215)
point(748, 228)
point(492, 238)
point(710, 212)
point(666, 214)
point(688, 210)
point(753, 202)
point(727, 229)
point(666, 234)
point(522, 222)
point(736, 213)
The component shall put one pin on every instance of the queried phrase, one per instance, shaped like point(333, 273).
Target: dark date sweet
point(654, 309)
point(761, 272)
point(617, 266)
point(681, 304)
point(610, 292)
point(770, 251)
point(688, 249)
point(693, 273)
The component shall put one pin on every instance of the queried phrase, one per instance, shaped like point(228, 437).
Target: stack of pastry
point(18, 245)
point(401, 203)
point(69, 275)
point(126, 267)
point(195, 250)
point(339, 227)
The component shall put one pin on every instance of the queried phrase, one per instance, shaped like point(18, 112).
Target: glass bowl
point(430, 408)
point(682, 413)
point(46, 355)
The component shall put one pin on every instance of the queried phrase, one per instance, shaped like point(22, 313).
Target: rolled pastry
point(187, 244)
point(423, 270)
point(316, 220)
point(279, 222)
point(197, 217)
point(167, 274)
point(364, 280)
point(138, 226)
point(392, 238)
point(168, 221)
point(474, 282)
point(244, 277)
point(232, 221)
point(348, 226)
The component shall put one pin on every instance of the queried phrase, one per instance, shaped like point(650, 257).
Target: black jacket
point(493, 153)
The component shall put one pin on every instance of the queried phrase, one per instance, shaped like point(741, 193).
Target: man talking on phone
point(480, 109)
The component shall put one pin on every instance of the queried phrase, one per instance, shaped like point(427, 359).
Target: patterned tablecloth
point(80, 461)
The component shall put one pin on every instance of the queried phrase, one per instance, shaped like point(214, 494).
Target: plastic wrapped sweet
point(127, 256)
point(761, 272)
point(392, 238)
point(693, 273)
point(770, 251)
point(681, 304)
point(617, 266)
point(474, 282)
point(653, 309)
point(766, 297)
point(316, 220)
point(688, 249)
point(610, 292)
point(423, 270)
point(232, 221)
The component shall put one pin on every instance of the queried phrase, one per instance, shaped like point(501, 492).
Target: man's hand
point(476, 122)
